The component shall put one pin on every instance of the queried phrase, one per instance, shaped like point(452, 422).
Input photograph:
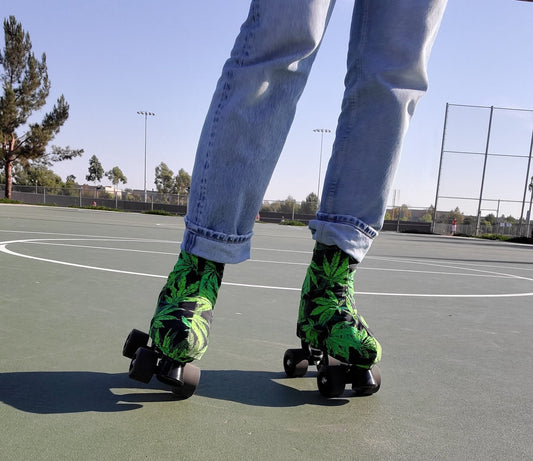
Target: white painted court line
point(4, 249)
point(443, 263)
point(92, 247)
point(454, 266)
point(49, 242)
point(86, 237)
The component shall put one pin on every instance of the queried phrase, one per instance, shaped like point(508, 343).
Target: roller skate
point(179, 330)
point(334, 337)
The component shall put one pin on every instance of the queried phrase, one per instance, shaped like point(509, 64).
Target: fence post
point(478, 225)
point(525, 189)
point(434, 221)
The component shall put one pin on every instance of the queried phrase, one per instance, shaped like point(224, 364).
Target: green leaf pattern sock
point(182, 319)
point(327, 317)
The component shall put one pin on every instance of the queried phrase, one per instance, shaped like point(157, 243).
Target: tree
point(310, 205)
point(455, 214)
point(428, 215)
point(288, 205)
point(71, 185)
point(37, 174)
point(491, 219)
point(511, 219)
point(25, 87)
point(128, 194)
point(58, 154)
point(182, 182)
point(115, 176)
point(405, 214)
point(164, 179)
point(96, 171)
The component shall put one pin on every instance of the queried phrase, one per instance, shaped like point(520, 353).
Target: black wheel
point(331, 380)
point(143, 365)
point(295, 362)
point(191, 378)
point(367, 382)
point(134, 340)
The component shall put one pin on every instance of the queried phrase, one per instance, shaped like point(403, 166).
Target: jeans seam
point(359, 225)
point(199, 231)
point(227, 87)
point(331, 188)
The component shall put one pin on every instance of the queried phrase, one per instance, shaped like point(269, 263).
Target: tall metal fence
point(485, 164)
point(403, 219)
point(129, 200)
point(505, 229)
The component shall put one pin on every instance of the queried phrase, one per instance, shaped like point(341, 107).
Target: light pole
point(321, 131)
point(530, 187)
point(146, 114)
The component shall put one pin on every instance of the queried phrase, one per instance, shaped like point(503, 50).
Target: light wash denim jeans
point(255, 102)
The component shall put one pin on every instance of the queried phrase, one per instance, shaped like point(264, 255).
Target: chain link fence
point(88, 196)
point(401, 219)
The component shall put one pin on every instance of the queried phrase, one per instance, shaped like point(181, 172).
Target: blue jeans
point(254, 105)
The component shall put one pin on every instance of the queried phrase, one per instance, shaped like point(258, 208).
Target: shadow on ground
point(49, 392)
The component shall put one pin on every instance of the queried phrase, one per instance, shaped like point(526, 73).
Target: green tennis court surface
point(453, 315)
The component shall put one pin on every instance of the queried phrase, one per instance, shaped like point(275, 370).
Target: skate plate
point(333, 375)
point(146, 361)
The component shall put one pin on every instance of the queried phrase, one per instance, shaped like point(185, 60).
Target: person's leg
point(244, 132)
point(250, 115)
point(389, 48)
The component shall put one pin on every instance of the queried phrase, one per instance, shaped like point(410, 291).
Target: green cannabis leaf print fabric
point(328, 318)
point(182, 319)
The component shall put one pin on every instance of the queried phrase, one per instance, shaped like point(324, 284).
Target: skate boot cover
point(182, 319)
point(327, 318)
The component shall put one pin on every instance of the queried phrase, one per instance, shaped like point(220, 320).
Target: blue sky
point(112, 58)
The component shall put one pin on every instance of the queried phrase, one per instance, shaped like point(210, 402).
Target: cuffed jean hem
point(215, 246)
point(350, 234)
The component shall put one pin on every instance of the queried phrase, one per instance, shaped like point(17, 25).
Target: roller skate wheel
point(190, 378)
point(367, 382)
point(134, 340)
point(331, 381)
point(295, 363)
point(143, 365)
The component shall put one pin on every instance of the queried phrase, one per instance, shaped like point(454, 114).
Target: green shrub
point(159, 212)
point(503, 238)
point(290, 222)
